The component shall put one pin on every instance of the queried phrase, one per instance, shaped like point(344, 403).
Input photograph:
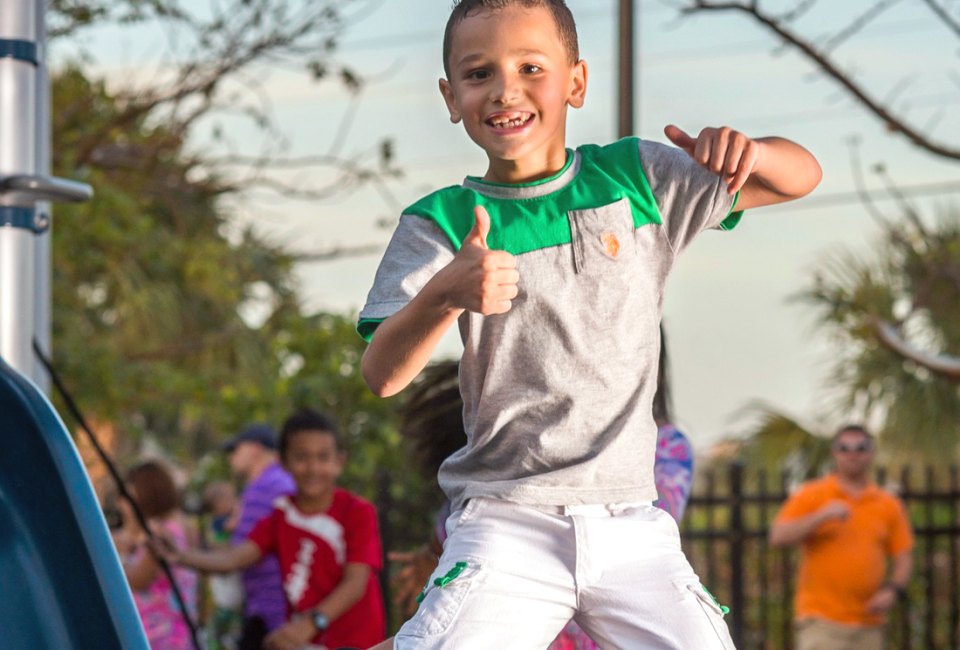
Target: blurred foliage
point(176, 325)
point(781, 445)
point(912, 281)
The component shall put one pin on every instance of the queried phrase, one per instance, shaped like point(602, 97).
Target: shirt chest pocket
point(602, 238)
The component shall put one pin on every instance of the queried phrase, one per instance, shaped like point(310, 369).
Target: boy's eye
point(531, 68)
point(478, 74)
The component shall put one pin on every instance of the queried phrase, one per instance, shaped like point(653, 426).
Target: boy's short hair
point(462, 9)
point(307, 419)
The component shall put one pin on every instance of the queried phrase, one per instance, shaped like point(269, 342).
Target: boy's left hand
point(292, 635)
point(727, 153)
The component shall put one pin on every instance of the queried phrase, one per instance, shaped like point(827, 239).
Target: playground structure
point(63, 586)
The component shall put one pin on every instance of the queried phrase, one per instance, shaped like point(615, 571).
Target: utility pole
point(625, 109)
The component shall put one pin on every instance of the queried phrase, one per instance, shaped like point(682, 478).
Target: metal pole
point(43, 261)
point(18, 114)
point(626, 82)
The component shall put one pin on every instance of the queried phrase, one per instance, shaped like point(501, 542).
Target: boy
point(553, 264)
point(326, 540)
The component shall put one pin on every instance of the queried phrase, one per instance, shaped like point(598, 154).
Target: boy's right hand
point(482, 280)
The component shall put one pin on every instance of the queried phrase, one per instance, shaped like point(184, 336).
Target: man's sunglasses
point(861, 448)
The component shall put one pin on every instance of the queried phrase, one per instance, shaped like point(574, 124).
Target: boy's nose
point(505, 91)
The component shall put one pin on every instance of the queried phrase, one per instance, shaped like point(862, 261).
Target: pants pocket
point(443, 597)
point(713, 611)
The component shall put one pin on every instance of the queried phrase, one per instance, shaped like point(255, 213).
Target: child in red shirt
point(326, 539)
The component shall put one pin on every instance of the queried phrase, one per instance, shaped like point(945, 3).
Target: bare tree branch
point(856, 25)
point(802, 7)
point(943, 365)
point(948, 20)
point(893, 123)
point(856, 167)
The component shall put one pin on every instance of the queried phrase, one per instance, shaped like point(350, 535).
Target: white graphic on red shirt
point(323, 526)
point(296, 583)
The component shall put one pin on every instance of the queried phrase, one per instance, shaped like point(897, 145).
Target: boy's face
point(315, 463)
point(510, 83)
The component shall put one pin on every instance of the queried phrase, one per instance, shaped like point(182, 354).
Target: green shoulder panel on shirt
point(367, 326)
point(520, 225)
point(734, 217)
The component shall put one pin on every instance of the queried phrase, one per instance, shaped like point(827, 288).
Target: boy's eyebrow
point(479, 56)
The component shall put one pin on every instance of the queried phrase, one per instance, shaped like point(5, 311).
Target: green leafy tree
point(170, 323)
point(149, 292)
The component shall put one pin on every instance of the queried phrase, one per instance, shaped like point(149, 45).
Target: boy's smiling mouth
point(509, 120)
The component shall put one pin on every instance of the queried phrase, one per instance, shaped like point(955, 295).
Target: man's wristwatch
point(319, 620)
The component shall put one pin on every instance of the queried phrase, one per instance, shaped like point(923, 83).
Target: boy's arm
point(223, 560)
point(478, 279)
point(764, 170)
point(300, 629)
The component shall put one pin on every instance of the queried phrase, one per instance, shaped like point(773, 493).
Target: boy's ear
point(578, 84)
point(447, 91)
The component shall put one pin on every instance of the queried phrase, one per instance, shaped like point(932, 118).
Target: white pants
point(511, 576)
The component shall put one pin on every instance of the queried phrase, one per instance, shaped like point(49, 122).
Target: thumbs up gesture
point(727, 153)
point(483, 280)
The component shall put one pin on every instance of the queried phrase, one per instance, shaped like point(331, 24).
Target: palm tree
point(895, 319)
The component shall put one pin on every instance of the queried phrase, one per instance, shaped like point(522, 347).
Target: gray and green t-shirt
point(558, 391)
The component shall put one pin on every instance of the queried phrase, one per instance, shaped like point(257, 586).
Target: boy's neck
point(314, 504)
point(527, 170)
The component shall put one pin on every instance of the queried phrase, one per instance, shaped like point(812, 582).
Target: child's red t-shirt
point(314, 549)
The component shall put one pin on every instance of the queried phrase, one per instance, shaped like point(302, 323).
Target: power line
point(876, 194)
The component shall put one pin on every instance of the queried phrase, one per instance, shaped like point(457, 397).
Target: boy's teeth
point(510, 122)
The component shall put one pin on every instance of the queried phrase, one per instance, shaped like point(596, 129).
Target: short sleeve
point(799, 504)
point(690, 198)
point(901, 535)
point(417, 250)
point(363, 536)
point(264, 533)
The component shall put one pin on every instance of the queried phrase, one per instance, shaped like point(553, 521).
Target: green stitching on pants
point(723, 608)
point(442, 582)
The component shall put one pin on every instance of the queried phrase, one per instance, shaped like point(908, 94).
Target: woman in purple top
point(253, 457)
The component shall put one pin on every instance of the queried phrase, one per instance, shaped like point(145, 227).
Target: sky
point(736, 338)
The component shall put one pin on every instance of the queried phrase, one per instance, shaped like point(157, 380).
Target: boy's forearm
point(219, 561)
point(404, 343)
point(346, 594)
point(208, 561)
point(784, 171)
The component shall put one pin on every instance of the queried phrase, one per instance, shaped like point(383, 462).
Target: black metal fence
point(725, 536)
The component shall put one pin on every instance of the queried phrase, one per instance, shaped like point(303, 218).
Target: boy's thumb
point(679, 137)
point(481, 228)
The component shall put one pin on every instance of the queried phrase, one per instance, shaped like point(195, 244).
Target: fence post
point(737, 601)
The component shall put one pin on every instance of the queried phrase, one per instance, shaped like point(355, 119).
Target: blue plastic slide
point(61, 584)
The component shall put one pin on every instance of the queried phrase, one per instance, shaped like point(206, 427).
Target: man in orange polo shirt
point(848, 530)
